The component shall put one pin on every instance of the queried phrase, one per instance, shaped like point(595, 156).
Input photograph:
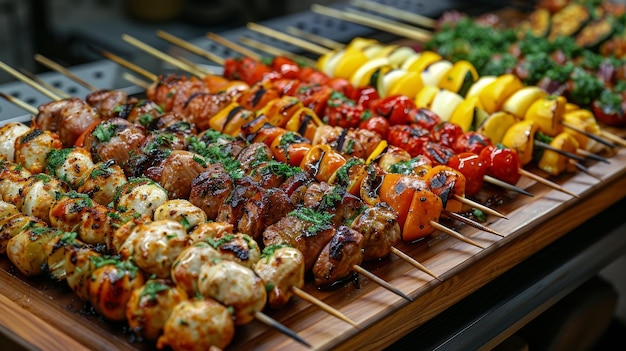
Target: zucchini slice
point(595, 33)
point(569, 20)
point(538, 23)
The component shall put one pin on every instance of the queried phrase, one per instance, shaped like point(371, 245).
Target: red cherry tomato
point(502, 163)
point(425, 118)
point(311, 75)
point(611, 115)
point(408, 137)
point(472, 167)
point(446, 133)
point(395, 108)
point(343, 112)
point(365, 96)
point(343, 86)
point(437, 153)
point(376, 124)
point(314, 96)
point(286, 67)
point(471, 142)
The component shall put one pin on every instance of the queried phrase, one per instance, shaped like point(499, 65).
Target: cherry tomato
point(472, 167)
point(437, 153)
point(408, 137)
point(311, 75)
point(343, 112)
point(609, 113)
point(314, 96)
point(502, 163)
point(471, 142)
point(425, 118)
point(342, 85)
point(252, 71)
point(365, 96)
point(286, 67)
point(446, 133)
point(230, 69)
point(395, 108)
point(376, 124)
point(286, 86)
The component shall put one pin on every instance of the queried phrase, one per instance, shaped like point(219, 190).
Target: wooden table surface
point(43, 315)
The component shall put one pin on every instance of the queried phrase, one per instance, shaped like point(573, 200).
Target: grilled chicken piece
point(148, 159)
point(235, 286)
point(210, 189)
point(200, 107)
point(114, 139)
point(69, 118)
point(111, 285)
point(14, 224)
point(69, 164)
point(198, 325)
point(281, 268)
point(101, 181)
point(31, 149)
point(139, 195)
point(55, 251)
point(263, 209)
point(8, 135)
point(181, 211)
point(7, 209)
point(343, 206)
point(303, 235)
point(79, 265)
point(154, 246)
point(143, 112)
point(210, 230)
point(172, 92)
point(106, 102)
point(380, 229)
point(39, 195)
point(151, 305)
point(340, 254)
point(25, 250)
point(237, 247)
point(186, 267)
point(74, 212)
point(231, 210)
point(12, 180)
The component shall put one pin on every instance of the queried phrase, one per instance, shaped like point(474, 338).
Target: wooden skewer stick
point(547, 146)
point(505, 185)
point(455, 234)
point(28, 81)
point(614, 138)
point(413, 262)
point(544, 181)
point(478, 206)
point(593, 156)
point(58, 68)
point(234, 46)
point(129, 65)
point(136, 80)
point(470, 222)
point(406, 16)
point(314, 38)
point(274, 51)
point(161, 55)
point(199, 69)
point(267, 320)
point(375, 22)
point(270, 32)
point(19, 103)
point(588, 134)
point(321, 304)
point(190, 47)
point(380, 282)
point(38, 80)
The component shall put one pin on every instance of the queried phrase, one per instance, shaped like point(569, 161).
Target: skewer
point(478, 206)
point(380, 282)
point(319, 303)
point(588, 134)
point(375, 22)
point(233, 46)
point(161, 55)
point(267, 320)
point(470, 222)
point(614, 138)
point(129, 65)
point(200, 69)
point(19, 103)
point(274, 51)
point(547, 146)
point(314, 48)
point(190, 47)
point(58, 68)
point(136, 80)
point(406, 16)
point(413, 262)
point(28, 81)
point(314, 38)
point(455, 234)
point(593, 156)
point(544, 181)
point(44, 84)
point(586, 171)
point(505, 185)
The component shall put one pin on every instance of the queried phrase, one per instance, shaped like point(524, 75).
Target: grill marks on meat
point(114, 139)
point(69, 118)
point(340, 254)
point(105, 102)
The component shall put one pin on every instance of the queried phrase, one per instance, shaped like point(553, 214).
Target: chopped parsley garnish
point(319, 220)
point(224, 239)
point(56, 158)
point(152, 288)
point(104, 132)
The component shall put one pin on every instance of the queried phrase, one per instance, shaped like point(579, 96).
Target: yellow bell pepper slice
point(495, 94)
point(521, 138)
point(518, 103)
point(496, 125)
point(349, 63)
point(554, 163)
point(409, 84)
point(464, 113)
point(548, 114)
point(362, 76)
point(459, 78)
point(425, 97)
point(425, 59)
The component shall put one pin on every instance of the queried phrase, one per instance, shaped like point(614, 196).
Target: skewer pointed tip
point(414, 263)
point(381, 282)
point(546, 182)
point(321, 304)
point(472, 223)
point(478, 206)
point(262, 317)
point(455, 234)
